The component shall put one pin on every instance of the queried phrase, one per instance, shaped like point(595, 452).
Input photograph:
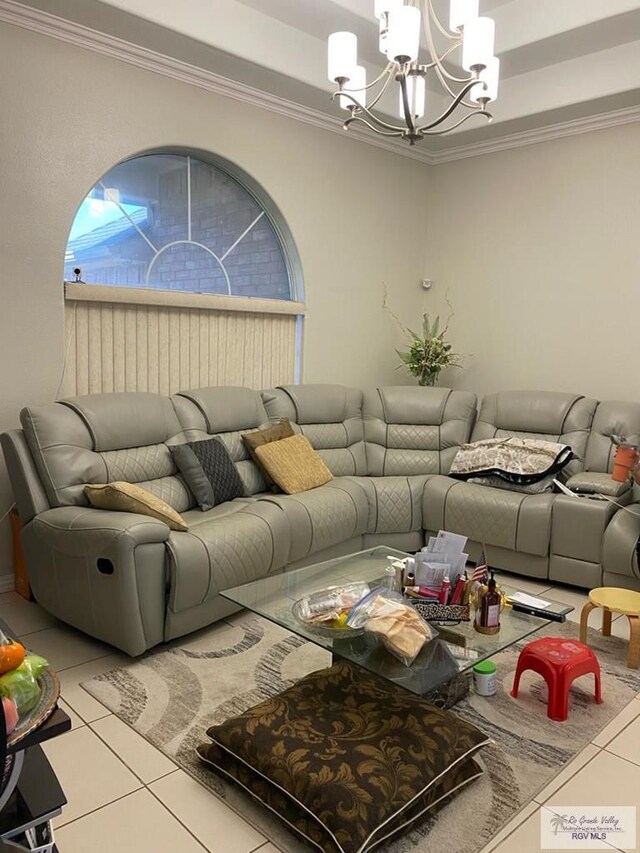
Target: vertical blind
point(128, 339)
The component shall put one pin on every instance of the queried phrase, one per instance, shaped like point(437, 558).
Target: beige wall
point(539, 248)
point(68, 115)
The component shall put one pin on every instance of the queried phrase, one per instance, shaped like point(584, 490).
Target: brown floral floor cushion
point(345, 758)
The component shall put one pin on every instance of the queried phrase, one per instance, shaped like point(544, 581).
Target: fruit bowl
point(49, 693)
point(300, 611)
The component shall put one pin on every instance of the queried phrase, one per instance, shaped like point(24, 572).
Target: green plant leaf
point(406, 357)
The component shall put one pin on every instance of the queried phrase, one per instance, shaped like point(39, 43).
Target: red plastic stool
point(559, 662)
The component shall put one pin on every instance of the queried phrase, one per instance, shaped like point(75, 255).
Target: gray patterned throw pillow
point(209, 472)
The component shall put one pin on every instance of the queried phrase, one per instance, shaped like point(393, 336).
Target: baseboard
point(7, 583)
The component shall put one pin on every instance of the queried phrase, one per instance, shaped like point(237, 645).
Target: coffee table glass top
point(274, 596)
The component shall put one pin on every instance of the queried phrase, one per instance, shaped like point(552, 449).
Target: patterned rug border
point(500, 764)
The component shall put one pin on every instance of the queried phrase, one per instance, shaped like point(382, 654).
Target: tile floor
point(127, 796)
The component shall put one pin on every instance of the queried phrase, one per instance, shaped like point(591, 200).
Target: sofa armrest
point(76, 530)
point(27, 487)
point(102, 572)
point(600, 483)
point(619, 550)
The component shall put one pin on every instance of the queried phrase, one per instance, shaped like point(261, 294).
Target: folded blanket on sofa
point(521, 461)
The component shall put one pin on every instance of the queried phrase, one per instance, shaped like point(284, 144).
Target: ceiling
point(562, 61)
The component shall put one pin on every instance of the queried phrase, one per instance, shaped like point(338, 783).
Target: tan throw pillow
point(294, 464)
point(125, 497)
point(258, 437)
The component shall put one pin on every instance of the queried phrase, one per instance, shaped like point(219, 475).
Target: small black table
point(32, 796)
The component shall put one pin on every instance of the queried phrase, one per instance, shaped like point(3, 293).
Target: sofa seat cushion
point(395, 503)
point(498, 517)
point(322, 517)
point(196, 517)
point(232, 544)
point(346, 758)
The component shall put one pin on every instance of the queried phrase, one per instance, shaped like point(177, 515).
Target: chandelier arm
point(368, 124)
point(382, 91)
point(387, 70)
point(452, 77)
point(466, 117)
point(374, 118)
point(453, 94)
point(451, 108)
point(431, 13)
point(437, 61)
point(449, 50)
point(443, 81)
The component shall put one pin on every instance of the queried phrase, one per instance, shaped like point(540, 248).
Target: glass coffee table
point(435, 668)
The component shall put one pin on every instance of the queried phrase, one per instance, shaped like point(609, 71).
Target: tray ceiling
point(562, 61)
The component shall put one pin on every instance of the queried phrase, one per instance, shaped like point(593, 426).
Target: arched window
point(174, 221)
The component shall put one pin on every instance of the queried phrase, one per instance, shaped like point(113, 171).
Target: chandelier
point(400, 32)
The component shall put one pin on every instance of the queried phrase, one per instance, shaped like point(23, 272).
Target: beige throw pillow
point(293, 464)
point(258, 437)
point(126, 497)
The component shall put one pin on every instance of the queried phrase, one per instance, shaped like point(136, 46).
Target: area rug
point(173, 695)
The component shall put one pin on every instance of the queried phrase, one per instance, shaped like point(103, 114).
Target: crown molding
point(36, 20)
point(559, 130)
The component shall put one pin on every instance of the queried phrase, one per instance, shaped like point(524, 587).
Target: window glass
point(174, 222)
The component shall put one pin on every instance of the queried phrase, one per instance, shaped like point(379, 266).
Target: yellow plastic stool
point(614, 600)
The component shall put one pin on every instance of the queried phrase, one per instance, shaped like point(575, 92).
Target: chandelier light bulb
point(416, 95)
point(461, 12)
point(489, 75)
point(477, 44)
point(342, 53)
point(403, 39)
point(381, 7)
point(356, 88)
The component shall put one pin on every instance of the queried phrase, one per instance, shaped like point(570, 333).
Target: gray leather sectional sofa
point(131, 581)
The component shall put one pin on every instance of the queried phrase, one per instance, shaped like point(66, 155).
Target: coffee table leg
point(584, 619)
point(634, 642)
point(606, 622)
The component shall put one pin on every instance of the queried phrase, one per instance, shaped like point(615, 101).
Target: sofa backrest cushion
point(330, 416)
point(100, 438)
point(550, 415)
point(226, 413)
point(415, 430)
point(612, 417)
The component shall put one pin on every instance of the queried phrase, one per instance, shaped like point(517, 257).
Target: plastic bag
point(326, 605)
point(21, 684)
point(396, 622)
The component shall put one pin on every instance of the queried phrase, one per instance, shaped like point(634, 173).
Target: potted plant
point(428, 353)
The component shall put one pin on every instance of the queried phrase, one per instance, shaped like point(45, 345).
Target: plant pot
point(429, 380)
point(623, 461)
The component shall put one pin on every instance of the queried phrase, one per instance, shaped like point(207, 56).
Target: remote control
point(536, 611)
